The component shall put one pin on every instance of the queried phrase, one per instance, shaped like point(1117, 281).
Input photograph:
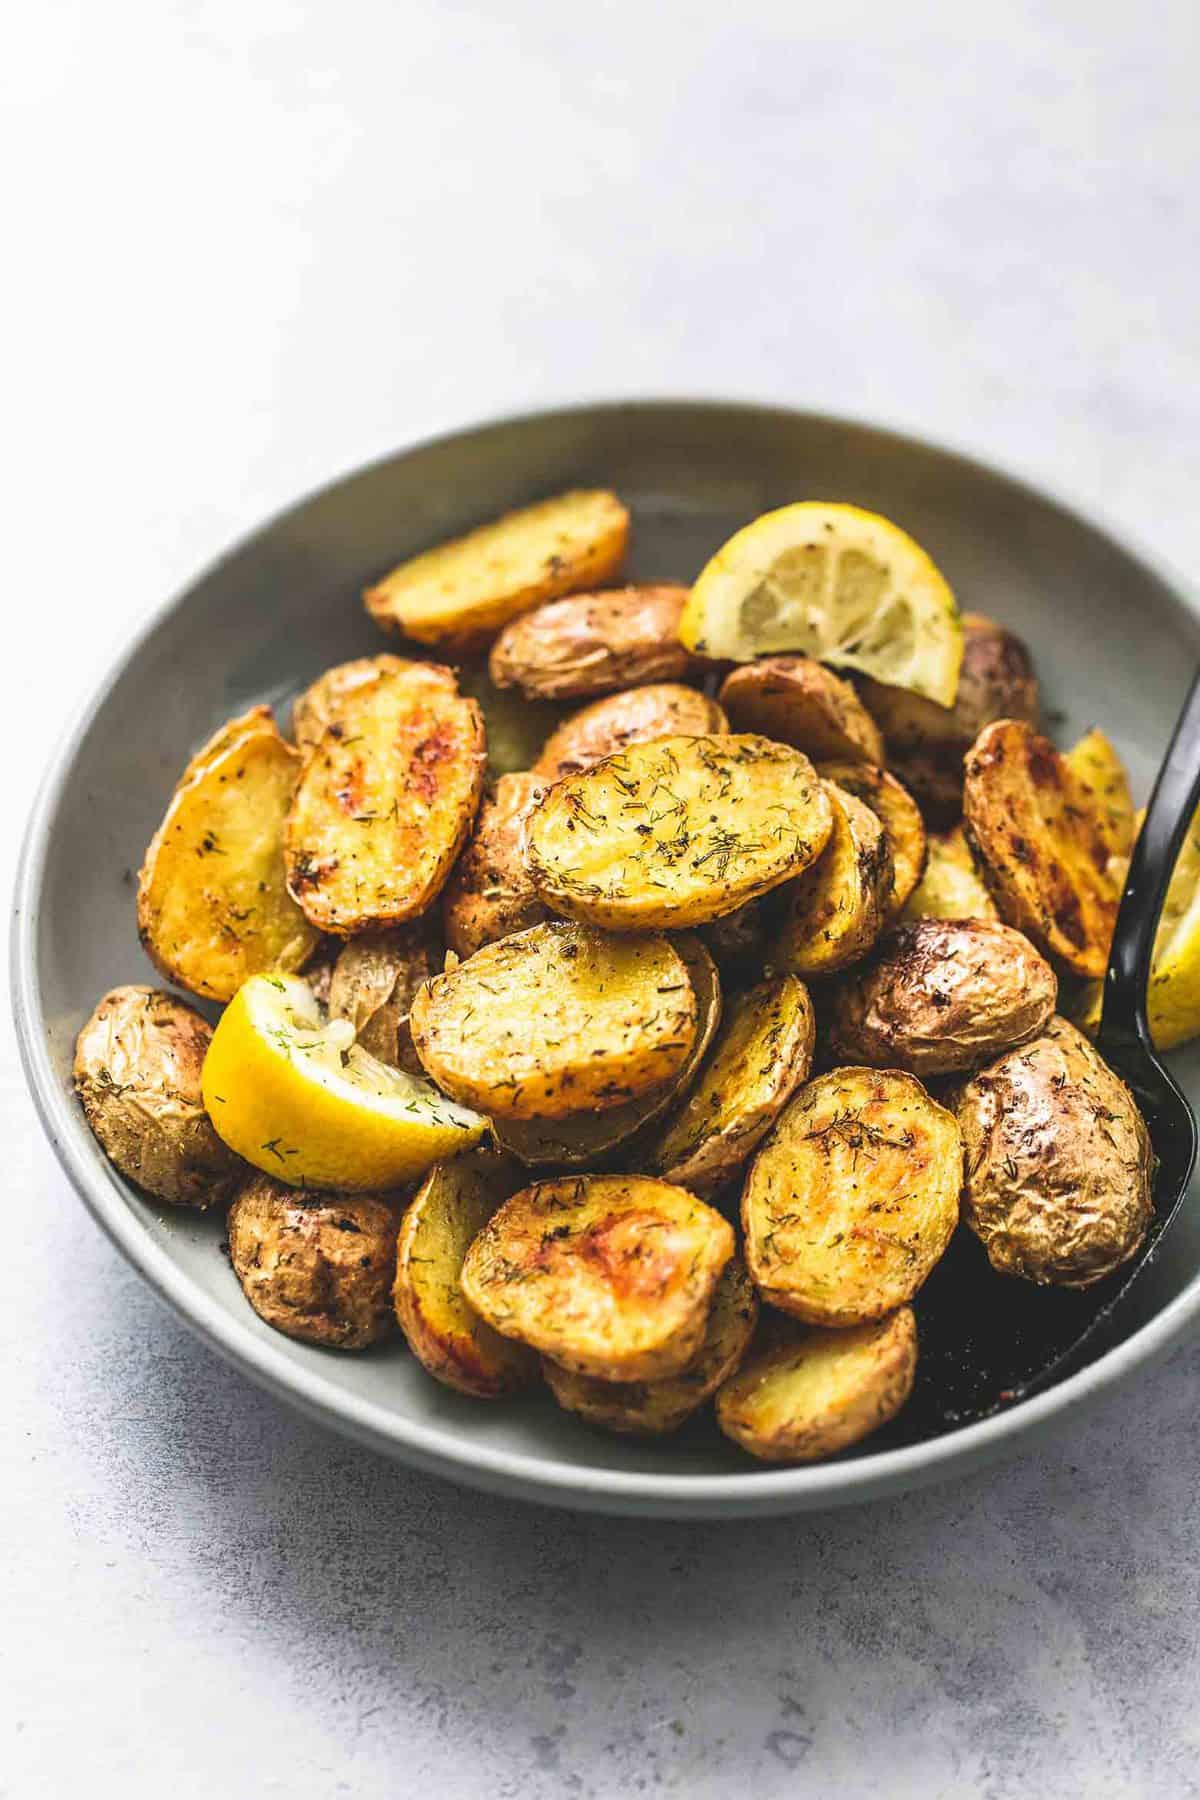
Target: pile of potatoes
point(754, 972)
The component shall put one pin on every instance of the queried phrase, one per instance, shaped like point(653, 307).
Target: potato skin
point(1059, 1162)
point(490, 894)
point(636, 716)
point(819, 1393)
point(738, 940)
point(316, 1266)
point(951, 886)
point(796, 700)
point(324, 704)
point(836, 909)
point(607, 1275)
point(654, 1408)
point(373, 984)
point(137, 1073)
point(593, 644)
point(899, 815)
point(944, 995)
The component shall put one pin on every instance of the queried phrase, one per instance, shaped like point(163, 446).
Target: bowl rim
point(447, 1450)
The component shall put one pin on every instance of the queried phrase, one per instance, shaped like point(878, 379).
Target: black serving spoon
point(989, 1340)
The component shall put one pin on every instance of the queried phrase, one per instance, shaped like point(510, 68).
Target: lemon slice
point(843, 585)
point(300, 1099)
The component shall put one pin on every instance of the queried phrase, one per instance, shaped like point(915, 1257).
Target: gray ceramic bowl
point(1115, 640)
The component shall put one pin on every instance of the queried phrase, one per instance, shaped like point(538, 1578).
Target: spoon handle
point(1168, 816)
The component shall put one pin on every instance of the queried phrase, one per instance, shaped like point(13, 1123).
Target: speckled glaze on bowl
point(1115, 640)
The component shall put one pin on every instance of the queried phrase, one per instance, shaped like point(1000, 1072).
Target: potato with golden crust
point(1039, 834)
point(315, 1265)
point(762, 1055)
point(899, 815)
point(607, 1275)
point(557, 1020)
point(853, 1198)
point(213, 906)
point(1095, 763)
point(490, 894)
point(593, 644)
point(944, 995)
point(373, 984)
point(836, 909)
point(951, 886)
point(137, 1073)
point(325, 702)
point(444, 1333)
point(385, 801)
point(636, 716)
point(821, 1391)
point(1059, 1162)
point(795, 700)
point(677, 832)
point(654, 1408)
point(459, 594)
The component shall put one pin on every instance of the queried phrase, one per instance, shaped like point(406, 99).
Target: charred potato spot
point(490, 894)
point(593, 644)
point(374, 982)
point(444, 1333)
point(556, 1020)
point(677, 832)
point(820, 1393)
point(654, 1408)
point(316, 1266)
point(763, 1053)
point(323, 706)
point(1059, 1162)
point(1038, 832)
point(213, 906)
point(853, 1198)
point(385, 801)
point(137, 1073)
point(836, 909)
point(606, 1275)
point(944, 995)
point(797, 701)
point(899, 815)
point(951, 886)
point(664, 709)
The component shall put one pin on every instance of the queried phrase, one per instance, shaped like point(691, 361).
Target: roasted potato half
point(1059, 1162)
point(461, 593)
point(557, 1020)
point(607, 1275)
point(213, 905)
point(951, 886)
point(316, 1266)
point(853, 1197)
point(1038, 829)
point(822, 1391)
point(137, 1073)
point(763, 1053)
point(491, 895)
point(797, 701)
point(654, 1408)
point(448, 1338)
point(677, 832)
point(323, 705)
point(1095, 764)
point(836, 909)
point(385, 802)
point(899, 815)
point(637, 716)
point(593, 644)
point(374, 982)
point(944, 995)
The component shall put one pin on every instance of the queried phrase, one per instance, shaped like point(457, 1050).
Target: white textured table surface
point(255, 242)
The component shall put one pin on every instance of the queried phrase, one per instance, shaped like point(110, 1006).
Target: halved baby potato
point(899, 815)
point(676, 832)
point(836, 909)
point(325, 702)
point(821, 1392)
point(951, 886)
point(556, 1020)
point(490, 894)
point(607, 1275)
point(461, 593)
point(385, 801)
point(593, 643)
point(373, 984)
point(637, 716)
point(797, 701)
point(654, 1408)
point(763, 1053)
point(444, 1333)
point(1095, 763)
point(853, 1198)
point(1044, 843)
point(213, 904)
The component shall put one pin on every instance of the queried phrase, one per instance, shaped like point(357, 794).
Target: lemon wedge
point(297, 1097)
point(834, 582)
